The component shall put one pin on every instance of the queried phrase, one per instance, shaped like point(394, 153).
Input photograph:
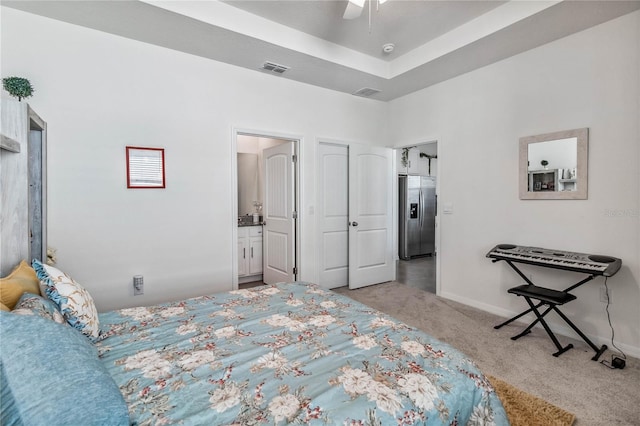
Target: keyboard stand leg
point(524, 333)
point(563, 350)
point(552, 336)
point(598, 350)
point(537, 320)
point(599, 353)
point(510, 320)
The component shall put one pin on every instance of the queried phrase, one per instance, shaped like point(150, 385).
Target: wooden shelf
point(9, 144)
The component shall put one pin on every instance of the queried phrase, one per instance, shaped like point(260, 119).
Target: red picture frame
point(145, 168)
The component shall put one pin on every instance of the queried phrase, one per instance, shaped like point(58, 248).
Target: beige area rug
point(524, 409)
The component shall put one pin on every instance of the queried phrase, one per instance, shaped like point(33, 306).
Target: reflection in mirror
point(554, 165)
point(248, 183)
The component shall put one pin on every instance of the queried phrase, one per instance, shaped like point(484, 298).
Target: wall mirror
point(249, 181)
point(553, 166)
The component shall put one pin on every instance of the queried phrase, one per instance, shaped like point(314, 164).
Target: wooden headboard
point(23, 203)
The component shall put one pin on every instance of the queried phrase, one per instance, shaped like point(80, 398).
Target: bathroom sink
point(248, 221)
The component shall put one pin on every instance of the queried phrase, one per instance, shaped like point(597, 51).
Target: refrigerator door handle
point(420, 208)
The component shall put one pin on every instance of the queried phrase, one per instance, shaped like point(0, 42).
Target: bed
point(290, 353)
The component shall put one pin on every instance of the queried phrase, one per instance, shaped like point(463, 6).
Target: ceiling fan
point(355, 7)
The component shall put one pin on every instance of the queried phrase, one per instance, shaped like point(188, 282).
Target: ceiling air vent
point(365, 92)
point(273, 67)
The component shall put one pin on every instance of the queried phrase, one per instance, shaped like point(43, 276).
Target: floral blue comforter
point(288, 353)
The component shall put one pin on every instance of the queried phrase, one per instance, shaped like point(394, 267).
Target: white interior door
point(371, 251)
point(333, 214)
point(279, 202)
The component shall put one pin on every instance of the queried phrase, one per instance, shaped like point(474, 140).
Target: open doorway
point(266, 185)
point(418, 233)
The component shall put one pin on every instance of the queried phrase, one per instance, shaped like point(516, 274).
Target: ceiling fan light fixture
point(354, 9)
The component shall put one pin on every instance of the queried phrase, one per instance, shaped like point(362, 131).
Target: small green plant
point(405, 156)
point(18, 87)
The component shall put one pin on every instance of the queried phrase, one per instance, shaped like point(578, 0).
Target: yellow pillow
point(22, 279)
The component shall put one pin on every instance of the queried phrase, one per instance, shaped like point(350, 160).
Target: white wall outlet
point(603, 295)
point(138, 285)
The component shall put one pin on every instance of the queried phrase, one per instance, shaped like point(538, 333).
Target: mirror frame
point(582, 136)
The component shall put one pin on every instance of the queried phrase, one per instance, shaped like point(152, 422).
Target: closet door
point(333, 214)
point(371, 251)
point(355, 215)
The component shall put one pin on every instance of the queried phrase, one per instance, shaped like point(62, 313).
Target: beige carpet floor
point(595, 394)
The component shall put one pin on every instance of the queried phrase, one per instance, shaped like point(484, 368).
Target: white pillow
point(74, 301)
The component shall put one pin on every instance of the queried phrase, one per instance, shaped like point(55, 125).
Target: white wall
point(590, 79)
point(100, 93)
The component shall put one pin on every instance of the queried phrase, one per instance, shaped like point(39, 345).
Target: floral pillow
point(32, 304)
point(74, 301)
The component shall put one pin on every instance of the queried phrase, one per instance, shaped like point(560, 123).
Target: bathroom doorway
point(267, 189)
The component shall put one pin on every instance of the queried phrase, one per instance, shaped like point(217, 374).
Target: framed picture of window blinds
point(145, 167)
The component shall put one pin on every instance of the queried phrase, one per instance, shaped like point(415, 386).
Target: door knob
point(354, 223)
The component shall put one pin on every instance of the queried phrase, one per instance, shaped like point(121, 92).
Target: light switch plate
point(138, 285)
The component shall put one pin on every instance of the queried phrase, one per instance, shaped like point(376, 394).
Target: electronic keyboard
point(578, 262)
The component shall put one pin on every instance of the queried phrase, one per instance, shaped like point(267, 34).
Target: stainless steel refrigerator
point(417, 230)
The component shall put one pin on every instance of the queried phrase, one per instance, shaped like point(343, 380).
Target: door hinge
point(295, 271)
point(294, 215)
point(294, 158)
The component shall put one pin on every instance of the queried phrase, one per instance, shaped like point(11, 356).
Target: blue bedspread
point(288, 353)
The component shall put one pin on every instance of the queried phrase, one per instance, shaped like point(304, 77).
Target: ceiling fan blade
point(354, 9)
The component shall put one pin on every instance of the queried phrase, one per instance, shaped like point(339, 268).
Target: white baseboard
point(249, 279)
point(559, 329)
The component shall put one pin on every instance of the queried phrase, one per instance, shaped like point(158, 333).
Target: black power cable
point(616, 362)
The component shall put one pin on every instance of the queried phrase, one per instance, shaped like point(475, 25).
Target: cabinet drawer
point(243, 232)
point(255, 231)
